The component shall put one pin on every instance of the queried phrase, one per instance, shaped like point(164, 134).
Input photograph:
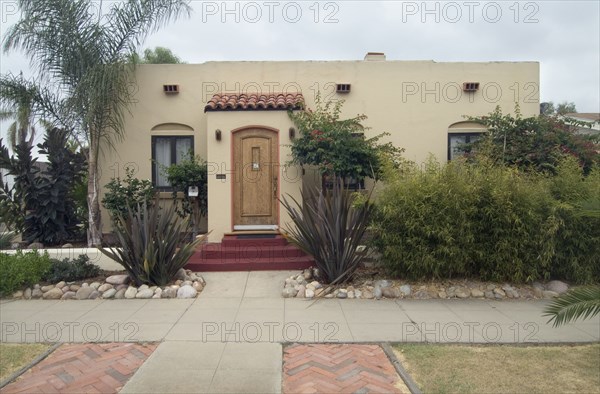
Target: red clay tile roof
point(254, 101)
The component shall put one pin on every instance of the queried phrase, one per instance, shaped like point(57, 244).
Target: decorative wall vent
point(343, 88)
point(171, 89)
point(471, 86)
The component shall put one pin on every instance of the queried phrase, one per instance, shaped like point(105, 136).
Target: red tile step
point(249, 253)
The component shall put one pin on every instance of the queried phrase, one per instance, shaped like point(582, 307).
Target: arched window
point(460, 134)
point(169, 148)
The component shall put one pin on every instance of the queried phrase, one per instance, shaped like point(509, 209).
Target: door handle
point(275, 187)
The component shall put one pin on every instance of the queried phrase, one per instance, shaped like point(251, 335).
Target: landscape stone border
point(304, 285)
point(188, 284)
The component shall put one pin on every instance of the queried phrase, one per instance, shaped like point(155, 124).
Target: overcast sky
point(564, 36)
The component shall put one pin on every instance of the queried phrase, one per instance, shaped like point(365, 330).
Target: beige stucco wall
point(415, 101)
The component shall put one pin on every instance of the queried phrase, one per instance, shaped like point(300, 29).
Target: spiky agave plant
point(330, 227)
point(149, 242)
point(580, 302)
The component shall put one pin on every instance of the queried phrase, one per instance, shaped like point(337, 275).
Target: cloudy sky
point(564, 36)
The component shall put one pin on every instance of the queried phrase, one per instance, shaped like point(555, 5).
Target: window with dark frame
point(457, 140)
point(168, 150)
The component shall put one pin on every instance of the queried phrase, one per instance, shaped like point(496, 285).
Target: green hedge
point(71, 270)
point(21, 269)
point(488, 222)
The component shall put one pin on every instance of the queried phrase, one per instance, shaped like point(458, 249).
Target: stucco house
point(234, 115)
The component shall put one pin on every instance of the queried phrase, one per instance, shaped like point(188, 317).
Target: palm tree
point(86, 80)
point(581, 302)
point(18, 105)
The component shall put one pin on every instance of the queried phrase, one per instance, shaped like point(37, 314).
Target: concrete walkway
point(229, 338)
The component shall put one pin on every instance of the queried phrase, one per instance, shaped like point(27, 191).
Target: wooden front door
point(255, 187)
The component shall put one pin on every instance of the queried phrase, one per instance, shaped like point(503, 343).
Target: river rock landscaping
point(188, 285)
point(305, 285)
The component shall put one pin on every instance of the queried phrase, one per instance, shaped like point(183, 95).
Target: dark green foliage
point(190, 172)
point(535, 144)
point(150, 246)
point(581, 302)
point(42, 201)
point(13, 201)
point(71, 270)
point(330, 226)
point(55, 215)
point(21, 269)
point(11, 214)
point(338, 147)
point(127, 194)
point(489, 222)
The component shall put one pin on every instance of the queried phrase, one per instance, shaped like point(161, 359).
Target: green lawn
point(14, 356)
point(502, 369)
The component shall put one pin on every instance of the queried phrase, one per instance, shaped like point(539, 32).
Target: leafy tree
point(126, 195)
point(13, 202)
point(43, 200)
point(338, 147)
point(549, 108)
point(159, 55)
point(565, 108)
point(535, 143)
point(56, 212)
point(86, 76)
point(10, 212)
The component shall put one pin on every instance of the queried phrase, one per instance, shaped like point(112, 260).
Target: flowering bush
point(338, 147)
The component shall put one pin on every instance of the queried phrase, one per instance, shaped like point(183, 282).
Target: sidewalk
point(229, 338)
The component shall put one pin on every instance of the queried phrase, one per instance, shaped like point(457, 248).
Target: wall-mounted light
point(292, 133)
point(218, 135)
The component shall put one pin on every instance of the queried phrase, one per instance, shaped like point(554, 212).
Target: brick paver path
point(338, 368)
point(83, 368)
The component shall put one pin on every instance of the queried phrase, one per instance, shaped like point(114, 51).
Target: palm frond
point(58, 52)
point(6, 114)
point(581, 302)
point(128, 23)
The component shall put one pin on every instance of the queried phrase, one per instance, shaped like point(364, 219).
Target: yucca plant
point(149, 244)
point(329, 226)
point(581, 302)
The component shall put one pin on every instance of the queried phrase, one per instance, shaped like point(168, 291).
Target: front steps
point(249, 252)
